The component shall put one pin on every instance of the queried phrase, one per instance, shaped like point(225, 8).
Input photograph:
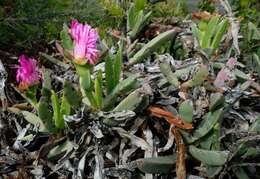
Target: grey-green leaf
point(153, 45)
point(208, 123)
point(33, 119)
point(198, 78)
point(57, 116)
point(157, 165)
point(71, 95)
point(123, 86)
point(209, 157)
point(109, 73)
point(169, 75)
point(186, 111)
point(44, 112)
point(118, 64)
point(66, 40)
point(140, 21)
point(132, 101)
point(216, 100)
point(55, 61)
point(99, 90)
point(65, 106)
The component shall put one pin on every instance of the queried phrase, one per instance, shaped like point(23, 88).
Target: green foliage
point(137, 18)
point(186, 111)
point(169, 75)
point(209, 157)
point(113, 69)
point(50, 117)
point(113, 8)
point(65, 106)
point(55, 61)
point(207, 5)
point(152, 46)
point(206, 125)
point(118, 64)
point(135, 101)
point(34, 119)
point(57, 115)
point(28, 21)
point(210, 34)
point(66, 40)
point(157, 165)
point(198, 78)
point(248, 9)
point(44, 111)
point(84, 73)
point(109, 70)
point(30, 95)
point(140, 21)
point(99, 90)
point(216, 100)
point(122, 87)
point(71, 95)
point(170, 8)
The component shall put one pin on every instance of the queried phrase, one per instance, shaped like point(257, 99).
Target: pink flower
point(85, 39)
point(27, 73)
point(231, 63)
point(221, 78)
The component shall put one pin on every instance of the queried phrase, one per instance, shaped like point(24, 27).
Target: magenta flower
point(231, 63)
point(221, 78)
point(85, 39)
point(27, 73)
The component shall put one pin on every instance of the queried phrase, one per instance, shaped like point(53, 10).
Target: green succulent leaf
point(253, 32)
point(57, 116)
point(71, 95)
point(169, 75)
point(152, 46)
point(99, 90)
point(140, 21)
point(198, 78)
point(131, 15)
point(186, 111)
point(216, 100)
point(118, 64)
point(208, 123)
point(222, 27)
point(123, 87)
point(109, 73)
point(66, 40)
point(157, 165)
point(132, 102)
point(85, 77)
point(65, 107)
point(211, 28)
point(140, 5)
point(44, 112)
point(240, 173)
point(209, 157)
point(55, 61)
point(33, 119)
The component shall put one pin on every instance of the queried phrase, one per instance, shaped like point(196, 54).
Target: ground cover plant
point(129, 89)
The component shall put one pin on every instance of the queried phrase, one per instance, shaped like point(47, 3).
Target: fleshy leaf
point(209, 157)
point(186, 111)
